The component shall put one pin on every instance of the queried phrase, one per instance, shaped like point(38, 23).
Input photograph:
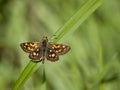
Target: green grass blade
point(74, 22)
point(27, 72)
point(103, 73)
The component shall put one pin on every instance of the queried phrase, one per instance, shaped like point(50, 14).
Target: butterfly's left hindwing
point(36, 55)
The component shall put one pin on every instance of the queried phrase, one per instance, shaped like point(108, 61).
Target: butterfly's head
point(44, 40)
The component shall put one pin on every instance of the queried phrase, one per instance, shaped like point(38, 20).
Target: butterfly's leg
point(42, 60)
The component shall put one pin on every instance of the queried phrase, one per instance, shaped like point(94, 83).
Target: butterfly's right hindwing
point(51, 55)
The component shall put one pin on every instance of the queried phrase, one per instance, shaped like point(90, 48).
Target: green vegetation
point(92, 32)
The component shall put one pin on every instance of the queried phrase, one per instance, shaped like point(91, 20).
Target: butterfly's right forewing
point(60, 49)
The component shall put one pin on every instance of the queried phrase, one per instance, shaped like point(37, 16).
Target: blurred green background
point(93, 62)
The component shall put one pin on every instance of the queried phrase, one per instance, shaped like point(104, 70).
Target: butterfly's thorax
point(44, 47)
point(44, 43)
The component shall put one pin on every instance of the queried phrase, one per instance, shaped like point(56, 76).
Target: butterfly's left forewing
point(36, 55)
point(30, 46)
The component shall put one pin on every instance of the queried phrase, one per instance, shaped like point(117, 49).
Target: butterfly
point(39, 51)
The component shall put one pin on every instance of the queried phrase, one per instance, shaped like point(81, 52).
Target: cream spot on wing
point(59, 50)
point(63, 46)
point(58, 46)
point(37, 54)
point(50, 50)
point(37, 50)
point(26, 44)
point(34, 53)
point(50, 55)
point(53, 55)
point(52, 47)
point(29, 48)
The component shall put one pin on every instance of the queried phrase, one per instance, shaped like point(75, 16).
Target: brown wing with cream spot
point(30, 46)
point(51, 55)
point(59, 48)
point(36, 55)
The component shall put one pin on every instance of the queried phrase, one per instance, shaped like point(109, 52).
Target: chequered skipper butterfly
point(38, 51)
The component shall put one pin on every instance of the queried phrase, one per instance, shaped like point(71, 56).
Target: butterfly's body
point(44, 48)
point(38, 51)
